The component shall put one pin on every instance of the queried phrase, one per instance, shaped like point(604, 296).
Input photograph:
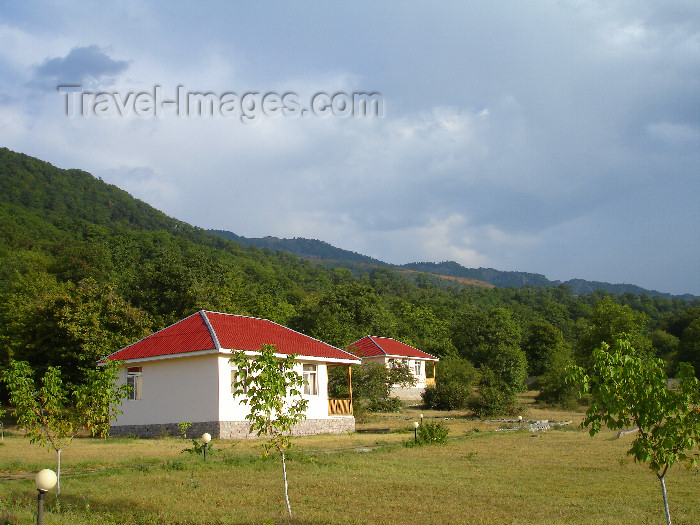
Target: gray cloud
point(554, 137)
point(80, 66)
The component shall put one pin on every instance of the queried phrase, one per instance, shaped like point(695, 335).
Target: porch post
point(434, 376)
point(350, 385)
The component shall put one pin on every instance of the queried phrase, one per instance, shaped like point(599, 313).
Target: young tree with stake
point(628, 388)
point(272, 389)
point(54, 413)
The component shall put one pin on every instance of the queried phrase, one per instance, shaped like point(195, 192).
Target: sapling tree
point(629, 388)
point(54, 412)
point(272, 389)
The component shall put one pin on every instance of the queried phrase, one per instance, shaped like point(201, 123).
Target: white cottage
point(388, 352)
point(182, 374)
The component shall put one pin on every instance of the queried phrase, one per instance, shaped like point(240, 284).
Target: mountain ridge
point(325, 253)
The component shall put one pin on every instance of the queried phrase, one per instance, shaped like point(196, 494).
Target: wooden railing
point(429, 381)
point(339, 407)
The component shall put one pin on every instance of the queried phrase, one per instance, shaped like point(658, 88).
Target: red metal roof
point(233, 332)
point(372, 346)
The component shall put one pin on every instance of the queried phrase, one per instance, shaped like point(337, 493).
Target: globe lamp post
point(45, 480)
point(206, 438)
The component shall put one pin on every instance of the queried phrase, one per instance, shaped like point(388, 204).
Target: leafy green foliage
point(371, 385)
point(429, 433)
point(344, 314)
point(454, 383)
point(608, 321)
point(198, 448)
point(689, 346)
point(184, 426)
point(543, 344)
point(629, 388)
point(272, 390)
point(86, 269)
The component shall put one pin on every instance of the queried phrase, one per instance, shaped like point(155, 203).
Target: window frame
point(310, 377)
point(134, 380)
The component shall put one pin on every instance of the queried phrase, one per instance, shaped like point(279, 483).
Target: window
point(133, 381)
point(310, 380)
point(418, 368)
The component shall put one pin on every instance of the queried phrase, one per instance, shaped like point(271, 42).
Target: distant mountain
point(496, 277)
point(505, 279)
point(306, 248)
point(329, 255)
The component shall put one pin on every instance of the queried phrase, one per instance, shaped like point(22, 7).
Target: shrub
point(430, 434)
point(452, 396)
point(391, 404)
point(453, 385)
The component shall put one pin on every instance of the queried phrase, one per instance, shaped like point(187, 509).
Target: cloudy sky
point(558, 137)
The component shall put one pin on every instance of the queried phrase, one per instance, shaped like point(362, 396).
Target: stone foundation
point(407, 394)
point(234, 429)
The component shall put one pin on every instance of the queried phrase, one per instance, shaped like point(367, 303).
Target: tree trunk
point(663, 491)
point(58, 473)
point(286, 494)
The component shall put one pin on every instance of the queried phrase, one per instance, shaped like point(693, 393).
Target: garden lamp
point(206, 438)
point(45, 480)
point(415, 430)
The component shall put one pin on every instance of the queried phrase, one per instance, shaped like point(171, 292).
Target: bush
point(453, 385)
point(430, 434)
point(391, 404)
point(492, 401)
point(451, 396)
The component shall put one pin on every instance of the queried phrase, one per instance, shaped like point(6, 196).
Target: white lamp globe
point(206, 437)
point(45, 480)
point(416, 424)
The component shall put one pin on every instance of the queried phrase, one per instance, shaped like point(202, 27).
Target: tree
point(271, 388)
point(689, 348)
point(477, 334)
point(454, 381)
point(55, 412)
point(344, 314)
point(491, 340)
point(553, 386)
point(542, 343)
point(607, 321)
point(629, 388)
point(45, 322)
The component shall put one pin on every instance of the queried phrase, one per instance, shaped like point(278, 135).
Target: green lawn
point(485, 476)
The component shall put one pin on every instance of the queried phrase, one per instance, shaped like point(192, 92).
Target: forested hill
point(305, 248)
point(68, 198)
point(85, 269)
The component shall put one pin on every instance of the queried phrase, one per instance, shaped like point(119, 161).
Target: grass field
point(481, 476)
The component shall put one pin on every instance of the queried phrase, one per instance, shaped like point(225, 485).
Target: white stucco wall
point(198, 389)
point(173, 391)
point(231, 409)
